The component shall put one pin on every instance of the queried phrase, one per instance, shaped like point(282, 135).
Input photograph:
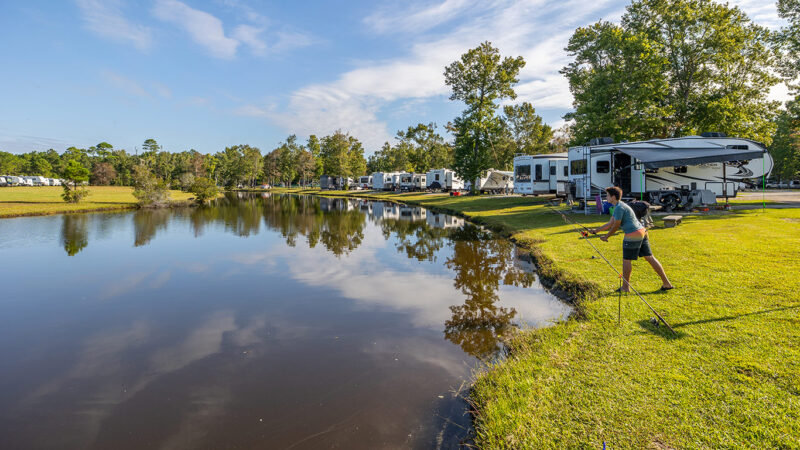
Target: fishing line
point(586, 237)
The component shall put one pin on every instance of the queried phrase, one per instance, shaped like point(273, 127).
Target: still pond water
point(259, 322)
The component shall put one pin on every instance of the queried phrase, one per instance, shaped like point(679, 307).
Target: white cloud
point(356, 100)
point(251, 36)
point(105, 18)
point(205, 29)
point(125, 84)
point(418, 17)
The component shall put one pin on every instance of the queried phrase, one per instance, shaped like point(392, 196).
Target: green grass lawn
point(730, 379)
point(24, 201)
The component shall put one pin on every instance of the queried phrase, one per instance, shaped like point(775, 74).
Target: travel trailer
point(673, 173)
point(2, 181)
point(365, 182)
point(396, 180)
point(540, 174)
point(330, 182)
point(13, 181)
point(495, 182)
point(382, 181)
point(412, 182)
point(443, 179)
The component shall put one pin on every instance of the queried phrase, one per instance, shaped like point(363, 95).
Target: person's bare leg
point(659, 270)
point(627, 267)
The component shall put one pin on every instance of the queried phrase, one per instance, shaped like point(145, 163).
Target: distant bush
point(204, 189)
point(149, 189)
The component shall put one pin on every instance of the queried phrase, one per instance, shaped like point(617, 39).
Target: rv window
point(603, 166)
point(436, 177)
point(522, 174)
point(538, 172)
point(578, 167)
point(680, 169)
point(566, 171)
point(552, 170)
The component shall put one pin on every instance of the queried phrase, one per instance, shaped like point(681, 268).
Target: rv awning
point(654, 158)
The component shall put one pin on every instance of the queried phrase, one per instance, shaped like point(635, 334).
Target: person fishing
point(635, 243)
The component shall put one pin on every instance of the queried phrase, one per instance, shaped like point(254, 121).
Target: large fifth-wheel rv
point(443, 179)
point(495, 182)
point(540, 174)
point(668, 172)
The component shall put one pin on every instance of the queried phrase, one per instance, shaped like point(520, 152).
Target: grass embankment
point(730, 379)
point(43, 200)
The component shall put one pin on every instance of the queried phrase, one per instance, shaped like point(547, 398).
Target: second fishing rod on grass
point(634, 245)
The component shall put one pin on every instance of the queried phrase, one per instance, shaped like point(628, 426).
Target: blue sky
point(209, 74)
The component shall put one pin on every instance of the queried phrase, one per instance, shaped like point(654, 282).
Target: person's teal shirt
point(625, 214)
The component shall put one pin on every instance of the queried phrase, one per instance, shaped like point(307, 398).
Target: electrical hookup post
point(585, 235)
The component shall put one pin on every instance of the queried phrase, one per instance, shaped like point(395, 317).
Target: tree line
point(671, 68)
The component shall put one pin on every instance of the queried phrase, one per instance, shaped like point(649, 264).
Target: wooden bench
point(672, 221)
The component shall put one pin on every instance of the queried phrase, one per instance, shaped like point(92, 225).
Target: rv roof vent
point(601, 141)
point(713, 134)
point(738, 147)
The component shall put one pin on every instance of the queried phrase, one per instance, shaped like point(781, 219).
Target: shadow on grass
point(734, 317)
point(655, 326)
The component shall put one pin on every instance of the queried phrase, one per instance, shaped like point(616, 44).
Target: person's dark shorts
point(632, 250)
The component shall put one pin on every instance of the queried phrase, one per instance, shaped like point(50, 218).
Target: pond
point(268, 321)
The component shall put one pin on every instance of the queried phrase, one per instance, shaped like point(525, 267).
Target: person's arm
point(614, 227)
point(607, 226)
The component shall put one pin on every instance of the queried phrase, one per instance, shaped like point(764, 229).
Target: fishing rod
point(630, 286)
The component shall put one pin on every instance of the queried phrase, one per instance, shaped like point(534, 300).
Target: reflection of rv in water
point(495, 182)
point(443, 179)
point(673, 173)
point(382, 210)
point(540, 174)
point(437, 220)
point(412, 213)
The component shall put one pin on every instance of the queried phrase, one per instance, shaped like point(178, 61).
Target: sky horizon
point(215, 73)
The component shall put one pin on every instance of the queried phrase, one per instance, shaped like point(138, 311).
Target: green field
point(730, 379)
point(30, 201)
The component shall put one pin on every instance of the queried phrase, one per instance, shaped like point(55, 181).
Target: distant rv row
point(9, 180)
point(674, 173)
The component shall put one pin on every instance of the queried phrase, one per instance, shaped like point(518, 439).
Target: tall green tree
point(480, 78)
point(313, 146)
point(529, 133)
point(673, 68)
point(334, 151)
point(356, 164)
point(10, 164)
point(788, 39)
point(75, 174)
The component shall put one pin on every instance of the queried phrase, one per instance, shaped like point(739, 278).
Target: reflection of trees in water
point(414, 237)
point(75, 233)
point(481, 263)
point(146, 222)
point(331, 222)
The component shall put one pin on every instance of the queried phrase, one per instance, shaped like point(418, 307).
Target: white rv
point(495, 182)
point(382, 181)
point(443, 179)
point(54, 181)
point(27, 181)
point(540, 174)
point(412, 182)
point(365, 182)
point(668, 172)
point(2, 181)
point(396, 179)
point(13, 181)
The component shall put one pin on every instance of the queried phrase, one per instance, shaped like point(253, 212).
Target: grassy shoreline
point(46, 200)
point(731, 379)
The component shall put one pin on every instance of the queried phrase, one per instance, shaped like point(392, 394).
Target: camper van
point(443, 179)
point(495, 182)
point(540, 174)
point(673, 173)
point(412, 182)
